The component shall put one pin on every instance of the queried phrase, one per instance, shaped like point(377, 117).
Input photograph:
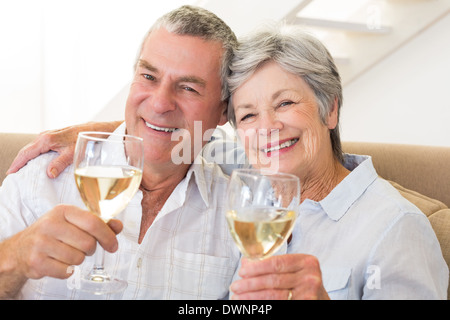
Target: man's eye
point(149, 77)
point(186, 88)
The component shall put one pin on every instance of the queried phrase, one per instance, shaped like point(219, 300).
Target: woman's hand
point(62, 141)
point(283, 277)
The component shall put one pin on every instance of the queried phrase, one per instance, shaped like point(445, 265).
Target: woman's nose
point(269, 123)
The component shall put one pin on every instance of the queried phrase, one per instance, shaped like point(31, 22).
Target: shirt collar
point(196, 170)
point(341, 198)
point(194, 176)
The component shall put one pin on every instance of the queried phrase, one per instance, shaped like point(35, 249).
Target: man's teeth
point(160, 129)
point(281, 146)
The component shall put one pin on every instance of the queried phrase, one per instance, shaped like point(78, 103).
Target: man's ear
point(332, 119)
point(224, 117)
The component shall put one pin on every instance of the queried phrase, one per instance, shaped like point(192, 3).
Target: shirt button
point(139, 263)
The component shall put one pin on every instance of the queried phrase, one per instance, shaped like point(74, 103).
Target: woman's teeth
point(281, 146)
point(160, 129)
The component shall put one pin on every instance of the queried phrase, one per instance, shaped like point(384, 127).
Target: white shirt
point(187, 253)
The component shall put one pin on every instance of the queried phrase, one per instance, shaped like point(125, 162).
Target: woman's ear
point(332, 119)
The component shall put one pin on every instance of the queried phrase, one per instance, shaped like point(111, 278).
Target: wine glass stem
point(98, 273)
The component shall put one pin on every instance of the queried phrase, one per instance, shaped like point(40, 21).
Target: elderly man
point(173, 245)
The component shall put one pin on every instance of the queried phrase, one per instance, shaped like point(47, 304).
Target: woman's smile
point(272, 149)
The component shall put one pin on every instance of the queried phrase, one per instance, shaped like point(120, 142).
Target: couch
point(420, 173)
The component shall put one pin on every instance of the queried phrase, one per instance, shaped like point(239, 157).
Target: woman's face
point(278, 122)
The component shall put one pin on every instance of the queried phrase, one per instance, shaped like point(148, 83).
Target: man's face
point(176, 83)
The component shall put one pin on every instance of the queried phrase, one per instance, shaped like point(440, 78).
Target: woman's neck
point(318, 185)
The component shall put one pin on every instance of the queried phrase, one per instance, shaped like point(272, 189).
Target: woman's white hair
point(296, 52)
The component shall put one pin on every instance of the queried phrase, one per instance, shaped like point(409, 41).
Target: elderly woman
point(356, 237)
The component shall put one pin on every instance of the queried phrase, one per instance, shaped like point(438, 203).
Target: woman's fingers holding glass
point(289, 276)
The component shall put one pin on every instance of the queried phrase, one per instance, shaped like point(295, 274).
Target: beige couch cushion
point(426, 204)
point(441, 225)
point(425, 169)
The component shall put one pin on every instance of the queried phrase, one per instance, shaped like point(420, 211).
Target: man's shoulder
point(35, 172)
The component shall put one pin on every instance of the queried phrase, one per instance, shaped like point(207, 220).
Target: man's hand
point(61, 238)
point(283, 277)
point(62, 141)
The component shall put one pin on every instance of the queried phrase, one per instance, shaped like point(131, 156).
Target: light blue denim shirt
point(371, 242)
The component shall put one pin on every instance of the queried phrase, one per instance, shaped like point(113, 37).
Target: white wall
point(61, 62)
point(20, 66)
point(405, 97)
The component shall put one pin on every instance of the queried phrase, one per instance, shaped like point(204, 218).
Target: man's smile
point(161, 129)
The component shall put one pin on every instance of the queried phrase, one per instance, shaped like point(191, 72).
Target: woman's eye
point(285, 103)
point(247, 116)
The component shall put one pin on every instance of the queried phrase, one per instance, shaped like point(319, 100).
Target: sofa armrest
point(425, 169)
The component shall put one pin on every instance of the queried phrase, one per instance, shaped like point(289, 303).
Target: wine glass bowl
point(108, 172)
point(261, 210)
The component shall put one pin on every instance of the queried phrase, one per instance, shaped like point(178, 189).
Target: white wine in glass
point(108, 172)
point(107, 190)
point(261, 210)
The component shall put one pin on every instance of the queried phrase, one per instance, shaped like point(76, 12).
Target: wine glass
point(108, 172)
point(261, 210)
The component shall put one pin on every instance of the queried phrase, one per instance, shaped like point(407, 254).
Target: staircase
point(358, 33)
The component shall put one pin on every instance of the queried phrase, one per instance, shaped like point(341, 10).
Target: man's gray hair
point(199, 22)
point(296, 52)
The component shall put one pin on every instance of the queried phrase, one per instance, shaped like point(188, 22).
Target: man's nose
point(163, 98)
